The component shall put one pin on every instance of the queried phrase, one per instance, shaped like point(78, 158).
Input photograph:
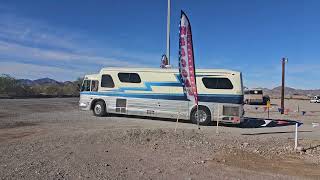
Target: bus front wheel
point(99, 109)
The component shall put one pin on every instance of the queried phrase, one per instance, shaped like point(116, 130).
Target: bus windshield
point(90, 85)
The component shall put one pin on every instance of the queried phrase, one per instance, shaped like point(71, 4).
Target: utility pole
point(284, 61)
point(168, 33)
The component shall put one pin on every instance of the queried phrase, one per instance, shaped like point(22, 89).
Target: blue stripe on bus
point(219, 98)
point(148, 86)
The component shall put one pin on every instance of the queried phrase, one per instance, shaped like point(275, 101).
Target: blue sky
point(67, 39)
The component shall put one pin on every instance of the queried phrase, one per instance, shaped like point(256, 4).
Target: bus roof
point(166, 70)
point(91, 76)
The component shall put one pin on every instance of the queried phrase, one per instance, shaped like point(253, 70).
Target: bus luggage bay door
point(121, 106)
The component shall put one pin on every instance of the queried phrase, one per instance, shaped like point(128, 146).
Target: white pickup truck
point(315, 99)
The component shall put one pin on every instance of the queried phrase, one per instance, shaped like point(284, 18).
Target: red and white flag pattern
point(186, 59)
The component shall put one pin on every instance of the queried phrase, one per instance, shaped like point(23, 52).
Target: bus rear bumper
point(232, 120)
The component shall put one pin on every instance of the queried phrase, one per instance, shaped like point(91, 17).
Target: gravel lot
point(52, 139)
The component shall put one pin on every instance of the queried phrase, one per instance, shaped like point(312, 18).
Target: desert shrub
point(78, 83)
point(11, 87)
point(70, 90)
point(7, 84)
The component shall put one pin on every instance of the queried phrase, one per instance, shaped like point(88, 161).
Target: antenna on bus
point(168, 32)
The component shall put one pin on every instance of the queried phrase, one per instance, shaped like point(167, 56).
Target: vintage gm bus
point(159, 93)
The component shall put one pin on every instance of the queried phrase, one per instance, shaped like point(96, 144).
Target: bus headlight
point(83, 105)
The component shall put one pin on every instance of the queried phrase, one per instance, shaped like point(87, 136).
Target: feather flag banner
point(186, 59)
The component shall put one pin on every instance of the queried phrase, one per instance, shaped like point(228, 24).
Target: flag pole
point(198, 116)
point(168, 32)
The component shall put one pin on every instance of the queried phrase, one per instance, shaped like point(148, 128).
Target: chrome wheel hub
point(202, 115)
point(97, 109)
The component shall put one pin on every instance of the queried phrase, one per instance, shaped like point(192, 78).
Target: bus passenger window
point(217, 83)
point(94, 85)
point(107, 81)
point(129, 77)
point(85, 85)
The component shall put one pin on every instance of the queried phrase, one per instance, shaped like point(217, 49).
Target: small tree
point(78, 82)
point(53, 90)
point(7, 84)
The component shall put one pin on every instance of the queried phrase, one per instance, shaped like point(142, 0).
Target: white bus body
point(159, 93)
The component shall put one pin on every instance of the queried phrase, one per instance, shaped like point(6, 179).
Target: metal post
point(282, 85)
point(168, 32)
point(296, 137)
point(178, 115)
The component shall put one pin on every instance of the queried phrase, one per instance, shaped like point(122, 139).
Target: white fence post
point(296, 137)
point(178, 115)
point(218, 117)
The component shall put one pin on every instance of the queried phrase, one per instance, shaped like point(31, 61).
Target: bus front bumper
point(84, 106)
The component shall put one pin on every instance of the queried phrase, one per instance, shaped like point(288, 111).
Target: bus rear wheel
point(99, 109)
point(204, 116)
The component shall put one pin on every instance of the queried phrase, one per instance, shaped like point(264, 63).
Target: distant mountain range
point(44, 87)
point(42, 81)
point(290, 92)
point(275, 92)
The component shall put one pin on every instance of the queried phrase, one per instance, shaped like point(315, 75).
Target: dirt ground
point(53, 139)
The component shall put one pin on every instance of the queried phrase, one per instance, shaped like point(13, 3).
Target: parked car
point(315, 99)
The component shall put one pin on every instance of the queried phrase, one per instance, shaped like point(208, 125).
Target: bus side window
point(107, 81)
point(217, 83)
point(94, 85)
point(85, 85)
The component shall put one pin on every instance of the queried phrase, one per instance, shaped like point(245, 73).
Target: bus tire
point(204, 115)
point(99, 109)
